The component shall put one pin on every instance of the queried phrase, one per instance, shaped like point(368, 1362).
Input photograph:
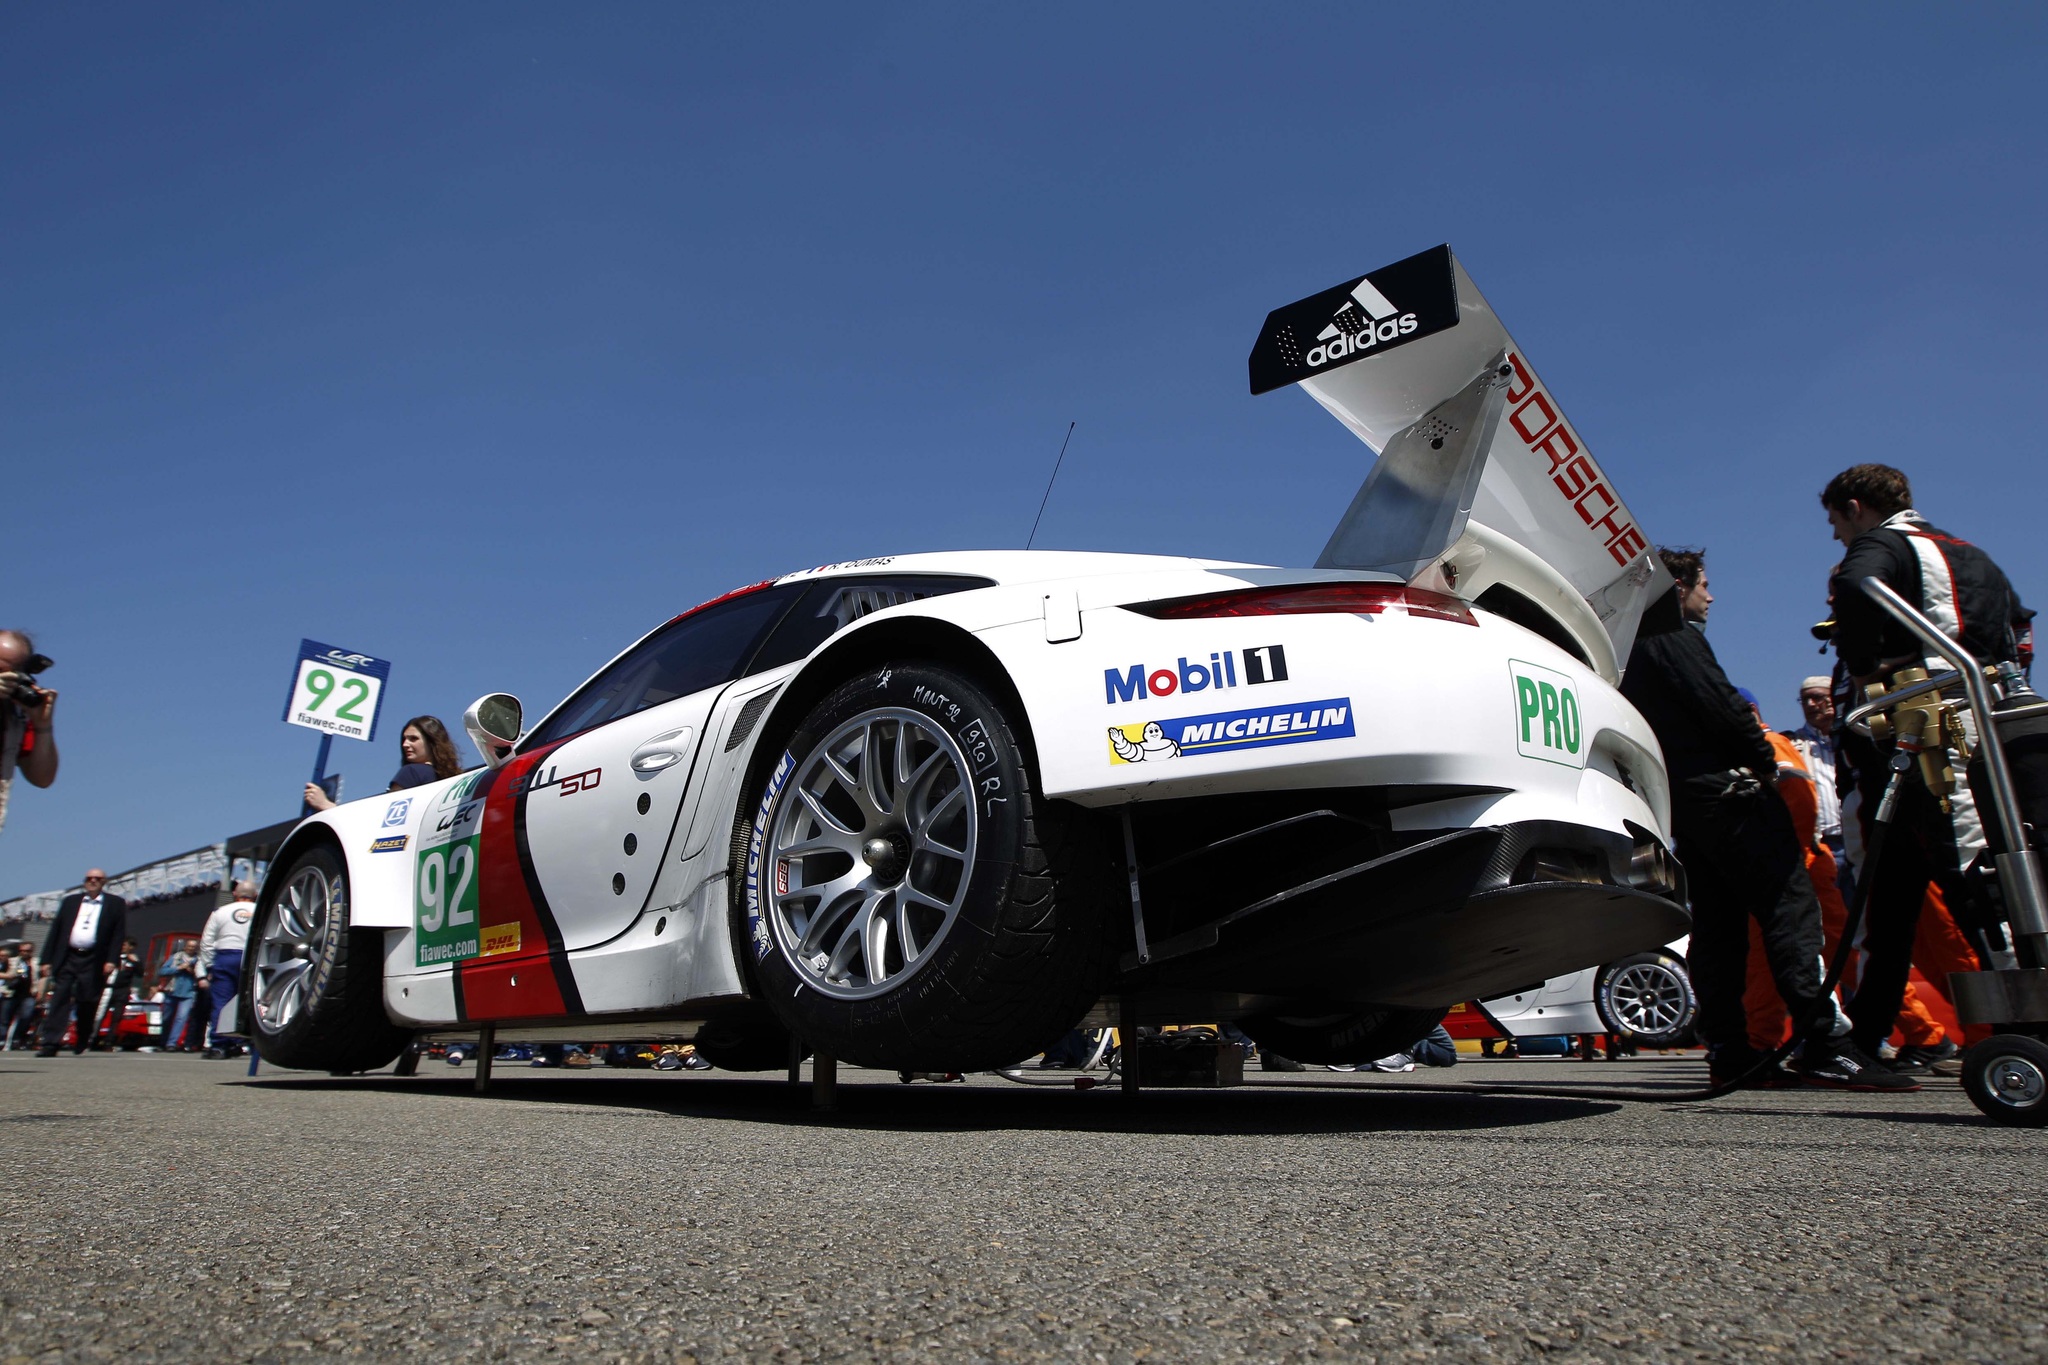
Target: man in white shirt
point(221, 945)
point(78, 957)
point(1815, 741)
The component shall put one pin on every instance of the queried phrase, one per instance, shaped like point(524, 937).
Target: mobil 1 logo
point(1267, 663)
point(1548, 723)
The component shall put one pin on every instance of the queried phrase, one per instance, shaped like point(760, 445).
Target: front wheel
point(2006, 1077)
point(909, 901)
point(315, 994)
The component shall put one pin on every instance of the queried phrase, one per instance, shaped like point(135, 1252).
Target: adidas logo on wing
point(1366, 319)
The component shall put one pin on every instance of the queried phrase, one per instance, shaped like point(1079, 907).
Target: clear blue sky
point(482, 337)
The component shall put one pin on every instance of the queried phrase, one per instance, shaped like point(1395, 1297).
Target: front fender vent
point(749, 716)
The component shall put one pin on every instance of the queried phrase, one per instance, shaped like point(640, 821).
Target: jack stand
point(1127, 1044)
point(408, 1063)
point(824, 1081)
point(486, 1044)
point(255, 1058)
point(796, 1059)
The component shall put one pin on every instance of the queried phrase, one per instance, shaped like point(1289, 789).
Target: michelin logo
point(1365, 320)
point(1152, 744)
point(1223, 731)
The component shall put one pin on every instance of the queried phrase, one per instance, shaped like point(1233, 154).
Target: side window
point(832, 604)
point(701, 650)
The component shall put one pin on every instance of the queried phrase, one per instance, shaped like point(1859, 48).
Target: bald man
point(78, 957)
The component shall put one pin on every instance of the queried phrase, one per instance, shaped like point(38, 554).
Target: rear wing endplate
point(1473, 450)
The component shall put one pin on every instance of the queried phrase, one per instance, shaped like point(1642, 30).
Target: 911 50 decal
point(1224, 731)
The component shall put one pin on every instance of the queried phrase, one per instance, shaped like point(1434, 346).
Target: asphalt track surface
point(164, 1207)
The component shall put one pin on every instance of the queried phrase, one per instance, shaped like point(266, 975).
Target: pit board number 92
point(334, 700)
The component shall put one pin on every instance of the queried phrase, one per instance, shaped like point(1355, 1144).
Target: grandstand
point(169, 895)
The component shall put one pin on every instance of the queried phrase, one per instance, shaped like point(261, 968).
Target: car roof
point(1012, 566)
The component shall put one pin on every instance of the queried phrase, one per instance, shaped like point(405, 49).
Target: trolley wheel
point(2006, 1076)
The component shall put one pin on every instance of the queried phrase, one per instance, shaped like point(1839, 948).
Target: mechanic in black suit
point(79, 956)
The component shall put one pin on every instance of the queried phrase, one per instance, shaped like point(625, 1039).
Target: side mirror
point(493, 723)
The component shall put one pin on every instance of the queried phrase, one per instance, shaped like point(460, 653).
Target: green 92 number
point(320, 683)
point(438, 902)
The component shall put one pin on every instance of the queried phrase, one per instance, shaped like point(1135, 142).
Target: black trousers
point(1919, 848)
point(1743, 862)
point(76, 983)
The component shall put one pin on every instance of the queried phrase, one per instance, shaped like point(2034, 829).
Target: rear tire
point(1342, 1039)
point(314, 996)
point(908, 900)
point(1646, 998)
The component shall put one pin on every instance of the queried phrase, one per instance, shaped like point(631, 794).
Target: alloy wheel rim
point(1648, 998)
point(870, 853)
point(294, 940)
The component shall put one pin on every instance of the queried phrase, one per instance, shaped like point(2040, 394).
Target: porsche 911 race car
point(925, 812)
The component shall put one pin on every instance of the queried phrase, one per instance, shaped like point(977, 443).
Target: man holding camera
point(27, 742)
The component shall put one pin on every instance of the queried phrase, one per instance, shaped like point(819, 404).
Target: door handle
point(662, 751)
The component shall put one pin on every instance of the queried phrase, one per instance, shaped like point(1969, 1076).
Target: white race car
point(924, 812)
point(1643, 998)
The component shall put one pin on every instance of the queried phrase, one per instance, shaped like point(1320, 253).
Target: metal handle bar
point(1859, 718)
point(2019, 868)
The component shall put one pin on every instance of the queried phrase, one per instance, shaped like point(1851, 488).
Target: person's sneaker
point(215, 1054)
point(1400, 1061)
point(1270, 1060)
point(1727, 1068)
point(1843, 1066)
point(1914, 1058)
point(46, 1052)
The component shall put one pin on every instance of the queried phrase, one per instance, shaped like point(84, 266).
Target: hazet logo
point(1548, 725)
point(1265, 664)
point(1365, 320)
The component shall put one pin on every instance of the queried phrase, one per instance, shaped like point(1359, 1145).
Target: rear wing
point(1481, 483)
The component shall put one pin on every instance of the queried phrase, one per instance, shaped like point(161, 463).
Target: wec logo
point(1548, 726)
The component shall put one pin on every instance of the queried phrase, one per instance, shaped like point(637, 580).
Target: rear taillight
point(1301, 599)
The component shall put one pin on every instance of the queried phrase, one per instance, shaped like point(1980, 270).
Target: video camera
point(20, 687)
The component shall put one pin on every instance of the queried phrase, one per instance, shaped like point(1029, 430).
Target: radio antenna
point(1048, 486)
